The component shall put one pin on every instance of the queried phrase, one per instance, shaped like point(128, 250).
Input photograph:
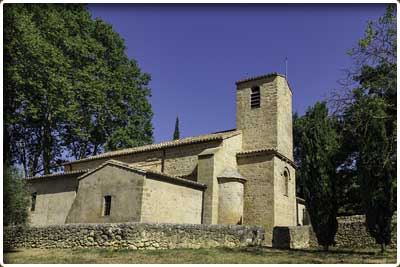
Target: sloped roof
point(174, 143)
point(149, 174)
point(67, 173)
point(265, 76)
point(268, 150)
point(231, 173)
point(269, 75)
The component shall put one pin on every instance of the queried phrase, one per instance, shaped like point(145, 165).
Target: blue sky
point(195, 53)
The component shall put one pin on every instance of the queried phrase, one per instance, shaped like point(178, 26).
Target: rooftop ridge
point(58, 174)
point(161, 175)
point(264, 76)
point(173, 143)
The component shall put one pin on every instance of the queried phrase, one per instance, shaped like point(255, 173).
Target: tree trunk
point(383, 247)
point(326, 247)
point(46, 149)
point(6, 145)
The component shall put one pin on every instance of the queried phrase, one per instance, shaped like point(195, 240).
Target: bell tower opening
point(264, 113)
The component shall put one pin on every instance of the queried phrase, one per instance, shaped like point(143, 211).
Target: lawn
point(215, 255)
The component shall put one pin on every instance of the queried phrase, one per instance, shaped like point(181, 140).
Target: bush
point(15, 197)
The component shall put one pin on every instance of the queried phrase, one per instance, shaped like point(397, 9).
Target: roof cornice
point(265, 76)
point(59, 174)
point(180, 142)
point(266, 151)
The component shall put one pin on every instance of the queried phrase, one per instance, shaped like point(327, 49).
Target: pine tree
point(176, 132)
point(317, 150)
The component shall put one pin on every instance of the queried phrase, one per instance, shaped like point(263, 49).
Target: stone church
point(240, 176)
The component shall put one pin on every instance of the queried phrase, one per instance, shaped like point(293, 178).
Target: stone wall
point(353, 233)
point(284, 118)
point(302, 216)
point(258, 125)
point(295, 237)
point(284, 199)
point(258, 192)
point(164, 202)
point(125, 188)
point(176, 161)
point(230, 201)
point(54, 198)
point(134, 236)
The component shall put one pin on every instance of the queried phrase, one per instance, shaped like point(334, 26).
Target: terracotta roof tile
point(269, 150)
point(67, 173)
point(269, 75)
point(174, 143)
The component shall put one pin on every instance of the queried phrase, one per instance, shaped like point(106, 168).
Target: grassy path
point(216, 255)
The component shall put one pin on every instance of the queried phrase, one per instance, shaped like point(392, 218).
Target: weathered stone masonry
point(134, 236)
point(351, 233)
point(244, 175)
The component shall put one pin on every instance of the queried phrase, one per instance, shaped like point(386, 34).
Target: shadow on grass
point(336, 251)
point(264, 250)
point(10, 250)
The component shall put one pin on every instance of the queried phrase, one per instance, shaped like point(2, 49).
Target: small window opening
point(33, 201)
point(255, 97)
point(286, 177)
point(107, 206)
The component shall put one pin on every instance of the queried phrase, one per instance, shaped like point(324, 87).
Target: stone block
point(293, 237)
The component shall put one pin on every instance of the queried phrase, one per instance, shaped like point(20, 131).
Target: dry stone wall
point(353, 233)
point(134, 236)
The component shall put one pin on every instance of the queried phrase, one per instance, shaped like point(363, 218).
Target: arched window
point(286, 177)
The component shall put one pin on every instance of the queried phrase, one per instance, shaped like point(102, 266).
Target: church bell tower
point(264, 115)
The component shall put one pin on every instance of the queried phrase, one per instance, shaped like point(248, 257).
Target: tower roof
point(265, 76)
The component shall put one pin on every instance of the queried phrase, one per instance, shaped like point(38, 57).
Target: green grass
point(215, 255)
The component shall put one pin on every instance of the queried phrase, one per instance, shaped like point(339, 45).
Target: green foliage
point(365, 162)
point(297, 145)
point(375, 165)
point(176, 132)
point(69, 88)
point(317, 150)
point(347, 185)
point(379, 42)
point(370, 120)
point(374, 114)
point(15, 198)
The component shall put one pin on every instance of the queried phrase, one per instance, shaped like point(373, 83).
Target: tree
point(15, 198)
point(70, 91)
point(347, 185)
point(369, 111)
point(317, 150)
point(375, 166)
point(176, 132)
point(297, 135)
